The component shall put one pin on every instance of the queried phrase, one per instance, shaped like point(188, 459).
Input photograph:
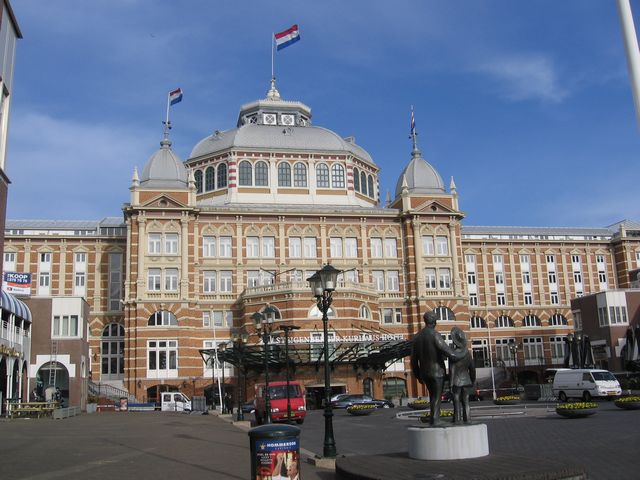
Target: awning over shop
point(374, 355)
point(15, 306)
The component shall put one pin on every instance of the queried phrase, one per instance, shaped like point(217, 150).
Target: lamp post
point(286, 329)
point(264, 325)
point(322, 284)
point(222, 347)
point(513, 347)
point(239, 343)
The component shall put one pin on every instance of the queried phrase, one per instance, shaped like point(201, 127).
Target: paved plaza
point(160, 445)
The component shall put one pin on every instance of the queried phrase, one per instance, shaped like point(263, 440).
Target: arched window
point(299, 175)
point(112, 352)
point(162, 317)
point(222, 175)
point(284, 175)
point(363, 183)
point(322, 175)
point(356, 179)
point(262, 174)
point(504, 321)
point(558, 320)
point(531, 321)
point(337, 176)
point(198, 177)
point(371, 191)
point(477, 322)
point(394, 387)
point(209, 179)
point(245, 174)
point(444, 313)
point(364, 312)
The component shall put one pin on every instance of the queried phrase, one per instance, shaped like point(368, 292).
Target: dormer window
point(287, 120)
point(269, 118)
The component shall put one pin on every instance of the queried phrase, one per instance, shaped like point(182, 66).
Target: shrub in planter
point(426, 417)
point(576, 409)
point(361, 409)
point(507, 400)
point(419, 404)
point(628, 403)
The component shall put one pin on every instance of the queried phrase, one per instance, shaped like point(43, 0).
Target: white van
point(585, 384)
point(175, 402)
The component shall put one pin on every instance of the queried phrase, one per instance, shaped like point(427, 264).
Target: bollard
point(275, 451)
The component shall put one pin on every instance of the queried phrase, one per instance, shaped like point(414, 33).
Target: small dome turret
point(164, 169)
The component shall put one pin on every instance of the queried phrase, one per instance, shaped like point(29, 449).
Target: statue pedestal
point(448, 442)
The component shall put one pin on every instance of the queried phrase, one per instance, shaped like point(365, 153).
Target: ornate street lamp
point(264, 325)
point(322, 284)
point(239, 343)
point(286, 329)
point(222, 346)
point(513, 348)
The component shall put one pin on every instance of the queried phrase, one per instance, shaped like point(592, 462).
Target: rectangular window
point(524, 262)
point(253, 278)
point(209, 281)
point(528, 299)
point(376, 247)
point(471, 278)
point(153, 280)
point(577, 277)
point(497, 261)
point(430, 277)
point(445, 278)
point(206, 319)
point(226, 282)
point(115, 281)
point(500, 300)
point(470, 260)
point(295, 247)
point(378, 280)
point(533, 351)
point(390, 248)
point(9, 261)
point(442, 246)
point(79, 284)
point(393, 281)
point(557, 349)
point(351, 247)
point(162, 359)
point(552, 277)
point(154, 244)
point(551, 261)
point(310, 247)
point(526, 278)
point(65, 326)
point(555, 300)
point(80, 260)
point(602, 278)
point(427, 246)
point(637, 259)
point(336, 247)
point(171, 279)
point(225, 247)
point(253, 247)
point(391, 316)
point(171, 244)
point(208, 246)
point(268, 247)
point(499, 278)
point(473, 300)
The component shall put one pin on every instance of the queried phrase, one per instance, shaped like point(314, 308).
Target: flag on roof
point(413, 122)
point(286, 38)
point(175, 96)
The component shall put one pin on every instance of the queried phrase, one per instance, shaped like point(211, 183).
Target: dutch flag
point(175, 96)
point(286, 38)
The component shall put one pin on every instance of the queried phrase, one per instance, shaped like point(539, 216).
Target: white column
point(631, 47)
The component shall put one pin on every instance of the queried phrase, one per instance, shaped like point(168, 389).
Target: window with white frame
point(638, 259)
point(253, 278)
point(603, 317)
point(577, 277)
point(44, 277)
point(533, 350)
point(376, 247)
point(427, 245)
point(9, 264)
point(335, 244)
point(171, 243)
point(206, 319)
point(226, 281)
point(526, 278)
point(162, 318)
point(531, 320)
point(351, 247)
point(153, 279)
point(222, 318)
point(209, 281)
point(442, 245)
point(528, 298)
point(65, 326)
point(115, 281)
point(470, 260)
point(171, 279)
point(391, 315)
point(296, 276)
point(558, 320)
point(497, 262)
point(499, 278)
point(617, 315)
point(477, 322)
point(393, 281)
point(552, 277)
point(390, 248)
point(364, 312)
point(444, 313)
point(557, 349)
point(310, 247)
point(503, 352)
point(253, 247)
point(504, 321)
point(430, 277)
point(295, 247)
point(500, 298)
point(444, 275)
point(208, 246)
point(154, 244)
point(79, 284)
point(554, 298)
point(473, 299)
point(162, 358)
point(225, 247)
point(268, 247)
point(471, 278)
point(577, 320)
point(525, 262)
point(378, 280)
point(551, 262)
point(350, 276)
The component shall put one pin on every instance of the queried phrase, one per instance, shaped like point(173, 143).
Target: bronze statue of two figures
point(428, 353)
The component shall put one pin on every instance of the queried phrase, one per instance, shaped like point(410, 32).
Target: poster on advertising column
point(278, 459)
point(16, 283)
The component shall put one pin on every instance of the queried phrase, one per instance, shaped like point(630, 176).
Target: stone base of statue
point(448, 441)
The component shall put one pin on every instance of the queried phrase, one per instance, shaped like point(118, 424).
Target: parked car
point(339, 396)
point(249, 407)
point(349, 400)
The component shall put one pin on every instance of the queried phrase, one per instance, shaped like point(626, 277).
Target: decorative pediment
point(163, 201)
point(434, 207)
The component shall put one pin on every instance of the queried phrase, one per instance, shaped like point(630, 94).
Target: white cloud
point(531, 77)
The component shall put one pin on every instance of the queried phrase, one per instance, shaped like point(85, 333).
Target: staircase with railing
point(104, 390)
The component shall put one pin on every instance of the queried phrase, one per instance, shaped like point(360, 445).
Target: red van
point(278, 400)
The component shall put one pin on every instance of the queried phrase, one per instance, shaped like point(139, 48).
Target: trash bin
point(275, 450)
point(124, 404)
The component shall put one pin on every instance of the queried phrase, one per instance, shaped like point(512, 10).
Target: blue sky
point(527, 105)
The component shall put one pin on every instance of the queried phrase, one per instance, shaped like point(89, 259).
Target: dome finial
point(165, 142)
point(273, 93)
point(415, 153)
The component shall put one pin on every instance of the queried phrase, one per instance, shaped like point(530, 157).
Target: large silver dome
point(164, 169)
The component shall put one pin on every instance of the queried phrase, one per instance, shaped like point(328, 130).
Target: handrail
point(109, 391)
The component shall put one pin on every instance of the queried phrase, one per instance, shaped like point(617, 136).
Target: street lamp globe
point(329, 277)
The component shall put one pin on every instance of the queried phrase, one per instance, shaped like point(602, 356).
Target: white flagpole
point(631, 46)
point(273, 55)
point(168, 105)
point(215, 343)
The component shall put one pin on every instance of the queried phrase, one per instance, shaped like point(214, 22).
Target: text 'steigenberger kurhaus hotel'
point(252, 213)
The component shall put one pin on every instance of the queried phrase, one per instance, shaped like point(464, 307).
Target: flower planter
point(576, 412)
point(635, 405)
point(419, 405)
point(506, 402)
point(426, 418)
point(361, 411)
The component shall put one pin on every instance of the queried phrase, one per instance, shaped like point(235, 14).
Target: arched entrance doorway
point(50, 377)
